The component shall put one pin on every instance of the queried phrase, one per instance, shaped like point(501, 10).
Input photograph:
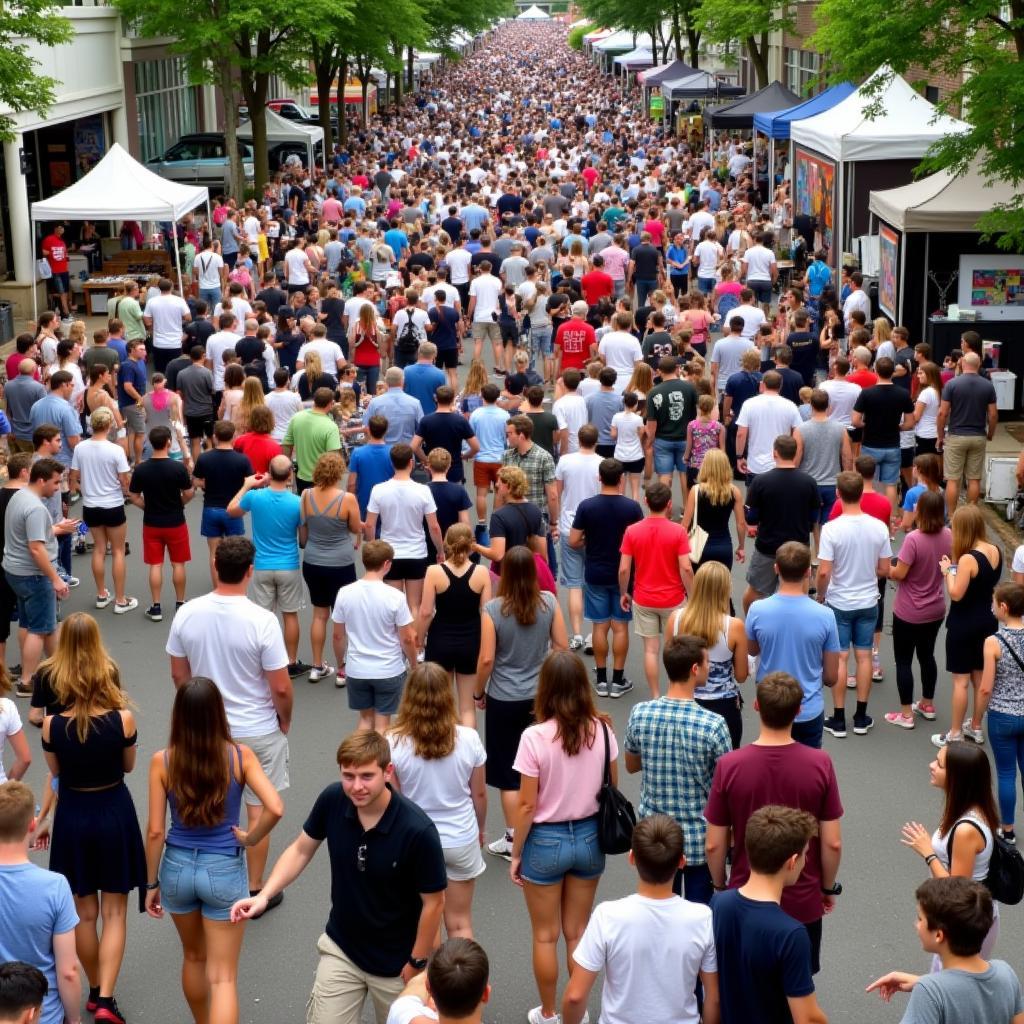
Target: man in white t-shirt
point(760, 270)
point(853, 555)
point(297, 268)
point(332, 359)
point(403, 506)
point(576, 479)
point(166, 315)
point(455, 980)
point(224, 340)
point(570, 411)
point(621, 350)
point(210, 275)
point(842, 394)
point(228, 638)
point(857, 299)
point(702, 220)
point(762, 419)
point(485, 292)
point(707, 254)
point(360, 298)
point(652, 946)
point(374, 638)
point(751, 315)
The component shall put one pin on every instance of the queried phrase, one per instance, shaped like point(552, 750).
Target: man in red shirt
point(575, 340)
point(595, 283)
point(590, 175)
point(775, 769)
point(860, 356)
point(56, 252)
point(660, 550)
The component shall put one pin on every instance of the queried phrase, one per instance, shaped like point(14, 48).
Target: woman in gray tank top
point(329, 535)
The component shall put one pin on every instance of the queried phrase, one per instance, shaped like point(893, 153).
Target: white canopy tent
point(120, 188)
point(280, 129)
point(534, 13)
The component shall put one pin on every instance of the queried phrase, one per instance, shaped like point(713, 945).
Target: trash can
point(1005, 384)
point(6, 322)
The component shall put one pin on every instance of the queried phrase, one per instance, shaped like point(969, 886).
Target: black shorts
point(448, 359)
point(856, 434)
point(199, 426)
point(606, 451)
point(408, 569)
point(507, 720)
point(324, 582)
point(8, 605)
point(509, 333)
point(111, 517)
point(907, 456)
point(634, 467)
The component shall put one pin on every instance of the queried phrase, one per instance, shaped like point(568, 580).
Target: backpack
point(408, 341)
point(1005, 878)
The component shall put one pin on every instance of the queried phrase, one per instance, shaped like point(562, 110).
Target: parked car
point(200, 158)
point(291, 110)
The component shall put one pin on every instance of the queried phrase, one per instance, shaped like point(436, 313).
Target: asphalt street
point(883, 778)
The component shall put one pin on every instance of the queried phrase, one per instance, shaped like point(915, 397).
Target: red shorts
point(486, 473)
point(171, 539)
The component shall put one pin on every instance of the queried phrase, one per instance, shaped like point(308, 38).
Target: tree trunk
point(254, 89)
point(342, 107)
point(410, 57)
point(229, 92)
point(693, 43)
point(759, 59)
point(326, 72)
point(677, 39)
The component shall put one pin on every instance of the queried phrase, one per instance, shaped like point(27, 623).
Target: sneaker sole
point(928, 716)
point(152, 618)
point(862, 730)
point(839, 734)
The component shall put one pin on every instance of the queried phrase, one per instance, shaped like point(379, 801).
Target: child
point(350, 420)
point(702, 434)
point(590, 384)
point(954, 915)
point(805, 403)
point(627, 432)
point(927, 475)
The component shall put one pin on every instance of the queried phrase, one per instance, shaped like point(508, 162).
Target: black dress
point(96, 844)
point(970, 621)
point(453, 640)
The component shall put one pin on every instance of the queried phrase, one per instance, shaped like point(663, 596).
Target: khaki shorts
point(273, 755)
point(277, 589)
point(340, 988)
point(464, 863)
point(963, 457)
point(651, 621)
point(487, 329)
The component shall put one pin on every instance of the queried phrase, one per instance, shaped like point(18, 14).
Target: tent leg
point(32, 265)
point(177, 258)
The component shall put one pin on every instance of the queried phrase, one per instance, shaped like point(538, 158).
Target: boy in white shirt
point(453, 988)
point(652, 945)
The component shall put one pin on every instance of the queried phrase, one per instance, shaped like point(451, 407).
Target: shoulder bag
point(615, 814)
point(698, 536)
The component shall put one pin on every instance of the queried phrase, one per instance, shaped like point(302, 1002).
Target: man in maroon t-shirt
point(595, 283)
point(575, 340)
point(55, 249)
point(775, 769)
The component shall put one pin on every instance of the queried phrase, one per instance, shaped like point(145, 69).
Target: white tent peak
point(534, 13)
point(280, 129)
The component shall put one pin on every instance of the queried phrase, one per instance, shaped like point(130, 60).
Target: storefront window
point(802, 70)
point(167, 105)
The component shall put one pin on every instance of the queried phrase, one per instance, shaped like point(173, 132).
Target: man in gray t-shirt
point(601, 407)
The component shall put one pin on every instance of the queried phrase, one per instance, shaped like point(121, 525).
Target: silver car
point(200, 159)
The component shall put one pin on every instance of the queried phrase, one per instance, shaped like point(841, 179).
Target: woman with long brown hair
point(926, 408)
point(96, 844)
point(364, 344)
point(252, 398)
point(454, 593)
point(516, 629)
point(439, 765)
point(971, 579)
point(197, 868)
point(556, 857)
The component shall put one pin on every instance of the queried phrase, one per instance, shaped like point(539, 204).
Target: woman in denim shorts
point(202, 871)
point(556, 857)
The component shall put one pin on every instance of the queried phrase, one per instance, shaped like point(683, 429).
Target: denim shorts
point(762, 290)
point(217, 523)
point(706, 285)
point(554, 849)
point(668, 456)
point(380, 695)
point(602, 604)
point(570, 569)
point(540, 340)
point(37, 603)
point(856, 627)
point(828, 499)
point(193, 880)
point(887, 463)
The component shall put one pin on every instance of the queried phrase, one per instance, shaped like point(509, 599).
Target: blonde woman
point(439, 765)
point(971, 578)
point(471, 398)
point(311, 377)
point(96, 843)
point(454, 594)
point(716, 499)
point(706, 614)
point(882, 335)
point(252, 398)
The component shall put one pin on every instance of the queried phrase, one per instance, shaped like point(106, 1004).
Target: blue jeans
point(668, 456)
point(368, 377)
point(887, 463)
point(694, 883)
point(211, 296)
point(1006, 734)
point(643, 289)
point(37, 603)
point(196, 880)
point(554, 849)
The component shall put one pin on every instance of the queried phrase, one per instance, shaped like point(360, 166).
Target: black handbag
point(615, 814)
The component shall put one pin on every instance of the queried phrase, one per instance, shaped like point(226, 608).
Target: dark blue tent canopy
point(775, 124)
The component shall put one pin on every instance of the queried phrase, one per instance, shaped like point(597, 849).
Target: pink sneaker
point(900, 719)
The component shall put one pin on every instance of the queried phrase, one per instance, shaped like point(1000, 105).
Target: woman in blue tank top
point(202, 775)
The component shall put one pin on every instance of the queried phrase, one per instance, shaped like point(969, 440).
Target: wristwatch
point(419, 963)
point(836, 890)
point(150, 886)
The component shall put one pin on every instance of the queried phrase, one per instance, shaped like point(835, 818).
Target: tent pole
point(32, 264)
point(177, 256)
point(899, 284)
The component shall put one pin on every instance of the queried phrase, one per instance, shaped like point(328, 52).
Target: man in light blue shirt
point(423, 378)
point(277, 581)
point(488, 423)
point(56, 408)
point(402, 411)
point(474, 216)
point(794, 633)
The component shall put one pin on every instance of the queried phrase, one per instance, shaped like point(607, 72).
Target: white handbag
point(698, 536)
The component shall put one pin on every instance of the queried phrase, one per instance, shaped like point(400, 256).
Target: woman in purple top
point(919, 608)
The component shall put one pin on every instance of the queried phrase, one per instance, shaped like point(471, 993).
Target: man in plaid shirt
point(539, 468)
point(676, 744)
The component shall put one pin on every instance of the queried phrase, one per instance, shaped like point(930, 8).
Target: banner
point(814, 187)
point(888, 269)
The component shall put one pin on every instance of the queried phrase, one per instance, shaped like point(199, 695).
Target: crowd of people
point(645, 403)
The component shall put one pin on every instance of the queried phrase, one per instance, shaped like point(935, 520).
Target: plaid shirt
point(539, 468)
point(679, 743)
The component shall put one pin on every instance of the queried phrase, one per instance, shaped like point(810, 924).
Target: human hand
point(153, 907)
point(751, 531)
point(409, 972)
point(741, 465)
point(741, 555)
point(481, 701)
point(915, 835)
point(41, 836)
point(242, 836)
point(625, 602)
point(256, 480)
point(828, 904)
point(889, 984)
point(66, 526)
point(61, 589)
point(250, 907)
point(515, 870)
point(944, 564)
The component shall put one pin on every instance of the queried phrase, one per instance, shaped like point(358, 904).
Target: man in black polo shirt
point(387, 885)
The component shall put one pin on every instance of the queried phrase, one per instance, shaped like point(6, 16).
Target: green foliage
point(750, 22)
point(577, 34)
point(978, 43)
point(21, 86)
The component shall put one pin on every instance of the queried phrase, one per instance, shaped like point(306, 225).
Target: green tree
point(978, 43)
point(21, 85)
point(751, 22)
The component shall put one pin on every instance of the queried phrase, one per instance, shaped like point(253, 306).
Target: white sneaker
point(535, 1016)
point(318, 672)
point(102, 600)
point(617, 690)
point(588, 644)
point(973, 734)
point(130, 604)
point(576, 644)
point(851, 682)
point(503, 848)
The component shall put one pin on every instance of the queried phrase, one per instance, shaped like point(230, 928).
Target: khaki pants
point(340, 989)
